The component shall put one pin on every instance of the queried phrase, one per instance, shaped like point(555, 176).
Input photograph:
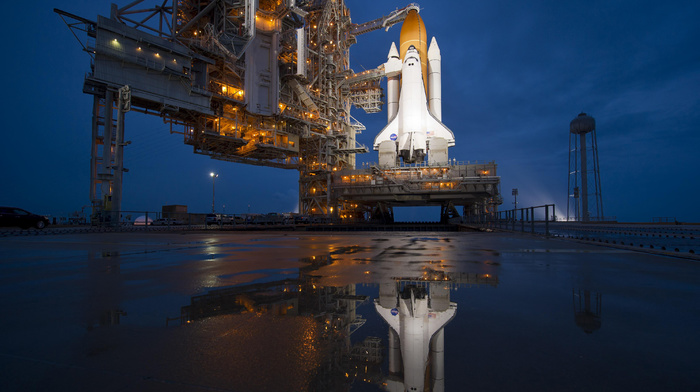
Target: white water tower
point(585, 202)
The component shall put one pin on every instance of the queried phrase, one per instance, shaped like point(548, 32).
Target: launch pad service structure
point(268, 82)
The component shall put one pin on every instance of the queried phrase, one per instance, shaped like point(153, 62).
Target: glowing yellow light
point(223, 89)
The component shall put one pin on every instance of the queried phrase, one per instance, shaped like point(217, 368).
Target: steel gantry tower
point(262, 82)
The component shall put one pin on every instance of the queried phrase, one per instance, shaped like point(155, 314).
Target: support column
point(107, 157)
point(123, 105)
point(329, 202)
point(584, 180)
point(94, 153)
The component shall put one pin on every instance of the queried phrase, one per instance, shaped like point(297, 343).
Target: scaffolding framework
point(260, 82)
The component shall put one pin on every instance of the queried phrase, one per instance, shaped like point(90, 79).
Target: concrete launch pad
point(105, 312)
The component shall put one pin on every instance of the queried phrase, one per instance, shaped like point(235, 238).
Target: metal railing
point(530, 219)
point(146, 219)
point(143, 221)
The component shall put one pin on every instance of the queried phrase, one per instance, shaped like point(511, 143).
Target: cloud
point(287, 201)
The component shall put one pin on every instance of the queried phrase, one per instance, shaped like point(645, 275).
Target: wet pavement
point(217, 311)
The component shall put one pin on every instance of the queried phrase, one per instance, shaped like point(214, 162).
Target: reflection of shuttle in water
point(416, 318)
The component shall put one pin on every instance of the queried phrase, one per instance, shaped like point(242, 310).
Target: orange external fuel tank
point(413, 33)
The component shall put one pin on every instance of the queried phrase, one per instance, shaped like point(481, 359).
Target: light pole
point(213, 190)
point(515, 195)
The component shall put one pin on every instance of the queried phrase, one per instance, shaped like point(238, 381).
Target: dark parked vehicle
point(301, 219)
point(11, 216)
point(213, 219)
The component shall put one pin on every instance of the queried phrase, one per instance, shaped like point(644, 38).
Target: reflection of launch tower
point(587, 310)
point(584, 202)
point(321, 318)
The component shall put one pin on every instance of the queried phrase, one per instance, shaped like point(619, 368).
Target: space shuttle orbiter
point(414, 102)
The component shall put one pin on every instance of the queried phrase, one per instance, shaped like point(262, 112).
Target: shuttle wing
point(438, 129)
point(392, 319)
point(386, 134)
point(438, 320)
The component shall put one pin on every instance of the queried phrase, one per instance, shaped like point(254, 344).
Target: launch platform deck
point(475, 186)
point(418, 184)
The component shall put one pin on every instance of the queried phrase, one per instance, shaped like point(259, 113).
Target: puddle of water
point(356, 312)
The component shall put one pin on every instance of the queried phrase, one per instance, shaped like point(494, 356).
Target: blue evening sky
point(514, 75)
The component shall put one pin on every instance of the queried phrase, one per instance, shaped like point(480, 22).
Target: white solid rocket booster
point(392, 82)
point(434, 79)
